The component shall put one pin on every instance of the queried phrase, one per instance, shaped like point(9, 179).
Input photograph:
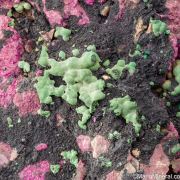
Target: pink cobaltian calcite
point(8, 4)
point(80, 171)
point(35, 172)
point(98, 145)
point(27, 102)
point(159, 164)
point(73, 8)
point(10, 54)
point(84, 143)
point(41, 147)
point(173, 15)
point(54, 17)
point(7, 154)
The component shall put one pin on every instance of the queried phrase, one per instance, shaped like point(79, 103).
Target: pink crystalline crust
point(73, 8)
point(54, 17)
point(35, 172)
point(99, 146)
point(159, 163)
point(84, 143)
point(122, 4)
point(174, 26)
point(7, 154)
point(41, 147)
point(172, 133)
point(27, 102)
point(8, 4)
point(113, 175)
point(80, 171)
point(91, 2)
point(6, 95)
point(173, 16)
point(10, 54)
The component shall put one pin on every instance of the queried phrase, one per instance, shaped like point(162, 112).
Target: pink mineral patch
point(41, 147)
point(10, 54)
point(174, 15)
point(35, 172)
point(7, 154)
point(99, 146)
point(54, 17)
point(80, 171)
point(8, 4)
point(84, 143)
point(113, 175)
point(7, 92)
point(27, 102)
point(122, 4)
point(159, 163)
point(174, 24)
point(172, 133)
point(176, 165)
point(73, 8)
point(89, 2)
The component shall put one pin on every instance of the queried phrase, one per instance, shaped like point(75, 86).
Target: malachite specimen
point(175, 149)
point(86, 114)
point(91, 48)
point(105, 162)
point(80, 83)
point(159, 27)
point(128, 109)
point(139, 52)
point(45, 89)
point(117, 70)
point(43, 59)
point(75, 52)
point(114, 135)
point(24, 66)
point(176, 73)
point(167, 85)
point(22, 6)
point(62, 32)
point(70, 155)
point(10, 122)
point(54, 168)
point(44, 113)
point(62, 55)
point(106, 63)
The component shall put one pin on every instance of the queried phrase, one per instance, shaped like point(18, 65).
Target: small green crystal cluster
point(126, 108)
point(22, 6)
point(62, 32)
point(176, 73)
point(139, 52)
point(117, 70)
point(159, 27)
point(24, 66)
point(70, 155)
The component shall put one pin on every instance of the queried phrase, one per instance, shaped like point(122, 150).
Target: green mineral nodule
point(63, 32)
point(24, 66)
point(117, 70)
point(127, 109)
point(159, 27)
point(43, 59)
